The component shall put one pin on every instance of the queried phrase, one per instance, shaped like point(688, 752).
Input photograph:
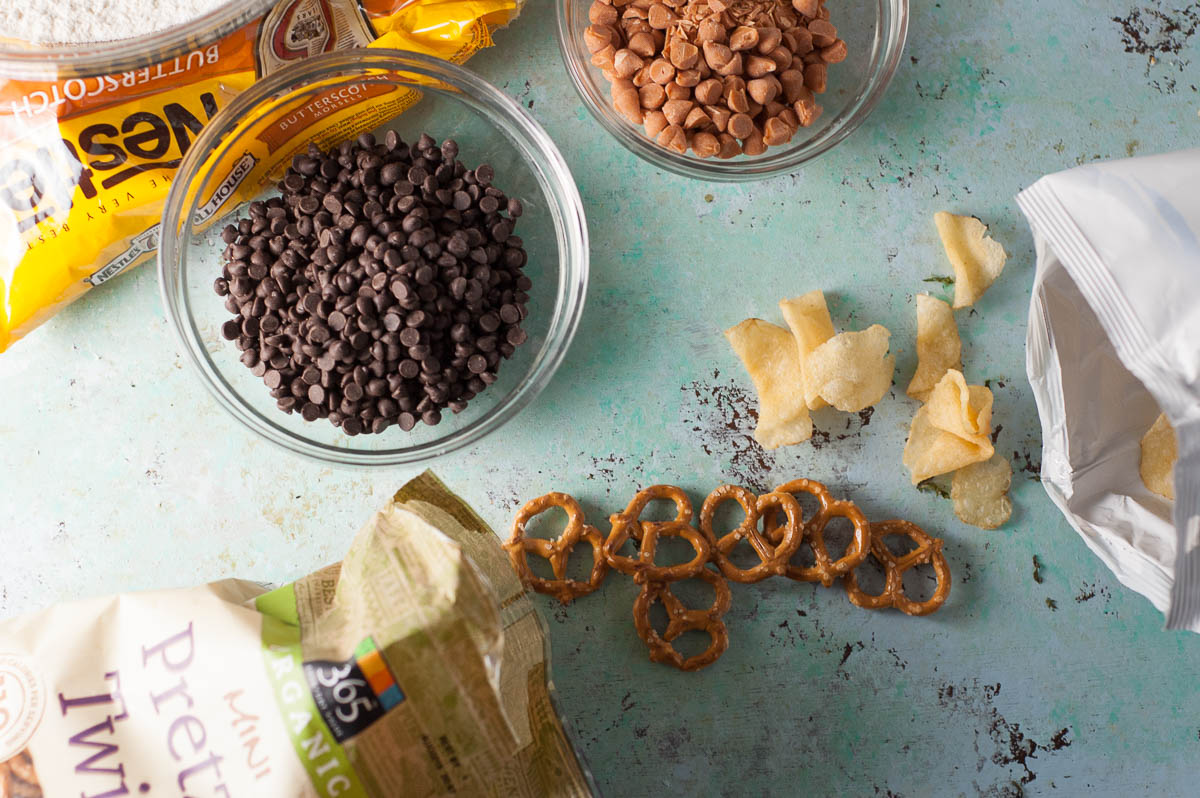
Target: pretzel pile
point(775, 528)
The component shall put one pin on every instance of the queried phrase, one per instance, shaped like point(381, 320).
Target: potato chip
point(939, 348)
point(808, 317)
point(961, 409)
point(977, 259)
point(1159, 453)
point(951, 430)
point(769, 354)
point(980, 493)
point(852, 370)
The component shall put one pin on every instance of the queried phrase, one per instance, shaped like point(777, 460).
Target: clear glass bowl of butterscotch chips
point(731, 90)
point(373, 258)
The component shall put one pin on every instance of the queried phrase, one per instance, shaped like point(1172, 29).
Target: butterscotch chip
point(687, 77)
point(768, 39)
point(655, 122)
point(604, 58)
point(754, 144)
point(662, 71)
point(652, 96)
point(782, 58)
point(807, 112)
point(660, 17)
point(834, 53)
point(634, 21)
point(815, 76)
point(717, 6)
point(642, 43)
point(626, 100)
point(730, 148)
point(764, 90)
point(743, 38)
point(705, 145)
point(737, 101)
point(710, 30)
point(626, 63)
point(759, 65)
point(776, 132)
point(602, 13)
point(753, 108)
point(717, 56)
point(808, 8)
point(709, 91)
point(734, 67)
point(677, 110)
point(789, 116)
point(677, 92)
point(774, 109)
point(792, 83)
point(720, 117)
point(642, 77)
point(823, 33)
point(740, 125)
point(696, 118)
point(597, 37)
point(799, 40)
point(683, 54)
point(673, 138)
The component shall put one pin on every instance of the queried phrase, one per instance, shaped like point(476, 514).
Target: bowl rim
point(520, 128)
point(737, 170)
point(60, 61)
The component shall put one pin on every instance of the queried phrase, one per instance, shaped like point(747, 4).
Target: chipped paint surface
point(1042, 675)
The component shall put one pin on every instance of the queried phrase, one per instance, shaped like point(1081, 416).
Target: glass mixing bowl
point(874, 32)
point(455, 103)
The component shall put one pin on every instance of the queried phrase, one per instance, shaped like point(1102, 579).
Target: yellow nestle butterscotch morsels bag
point(88, 159)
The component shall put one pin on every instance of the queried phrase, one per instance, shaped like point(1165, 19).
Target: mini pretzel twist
point(628, 524)
point(928, 552)
point(773, 560)
point(682, 619)
point(557, 551)
point(776, 545)
point(823, 569)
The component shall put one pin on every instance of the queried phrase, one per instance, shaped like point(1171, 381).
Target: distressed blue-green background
point(117, 471)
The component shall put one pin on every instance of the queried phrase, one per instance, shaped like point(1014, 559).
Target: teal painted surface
point(119, 473)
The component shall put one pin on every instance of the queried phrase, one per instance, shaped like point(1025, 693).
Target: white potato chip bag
point(1114, 339)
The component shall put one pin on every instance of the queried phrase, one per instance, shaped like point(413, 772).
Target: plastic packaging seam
point(1038, 349)
point(1137, 351)
point(1185, 595)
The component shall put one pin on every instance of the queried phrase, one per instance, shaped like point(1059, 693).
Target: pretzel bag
point(88, 158)
point(1113, 341)
point(415, 667)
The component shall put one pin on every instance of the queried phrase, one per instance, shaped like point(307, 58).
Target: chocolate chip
point(357, 293)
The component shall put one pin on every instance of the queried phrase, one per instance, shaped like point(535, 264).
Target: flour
point(77, 21)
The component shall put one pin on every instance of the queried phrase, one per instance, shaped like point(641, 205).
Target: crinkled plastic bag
point(1114, 335)
point(415, 667)
point(88, 158)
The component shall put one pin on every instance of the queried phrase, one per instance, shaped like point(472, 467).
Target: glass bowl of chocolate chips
point(373, 258)
point(731, 90)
